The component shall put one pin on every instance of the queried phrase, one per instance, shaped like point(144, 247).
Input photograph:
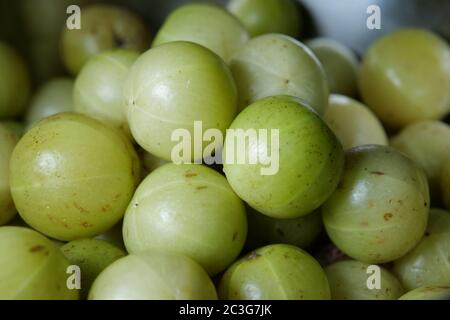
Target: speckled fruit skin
point(427, 293)
point(264, 230)
point(15, 84)
point(267, 16)
point(348, 281)
point(31, 267)
point(99, 87)
point(171, 86)
point(187, 209)
point(153, 275)
point(427, 143)
point(275, 64)
point(8, 140)
point(92, 256)
point(208, 25)
point(310, 159)
point(428, 263)
point(72, 177)
point(55, 96)
point(353, 123)
point(103, 27)
point(380, 209)
point(275, 272)
point(405, 77)
point(445, 184)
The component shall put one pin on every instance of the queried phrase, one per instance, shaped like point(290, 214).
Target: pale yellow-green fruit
point(445, 184)
point(72, 176)
point(428, 144)
point(276, 64)
point(8, 140)
point(275, 272)
point(205, 24)
point(353, 123)
point(405, 77)
point(55, 96)
point(153, 275)
point(350, 280)
point(428, 263)
point(187, 209)
point(32, 267)
point(98, 91)
point(428, 293)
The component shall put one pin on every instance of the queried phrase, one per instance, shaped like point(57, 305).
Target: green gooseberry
point(427, 293)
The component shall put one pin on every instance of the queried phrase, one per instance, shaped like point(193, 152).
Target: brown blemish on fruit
point(86, 224)
point(190, 174)
point(117, 196)
point(37, 248)
point(370, 204)
point(378, 173)
point(80, 208)
point(253, 255)
point(387, 216)
point(201, 187)
point(106, 208)
point(235, 234)
point(365, 224)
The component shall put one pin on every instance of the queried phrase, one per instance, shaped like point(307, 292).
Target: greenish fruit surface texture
point(380, 209)
point(8, 140)
point(427, 293)
point(187, 209)
point(275, 272)
point(308, 167)
point(32, 267)
point(153, 276)
point(72, 177)
point(445, 184)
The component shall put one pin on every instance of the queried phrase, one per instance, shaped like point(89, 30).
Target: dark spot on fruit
point(80, 208)
point(119, 41)
point(387, 216)
point(106, 208)
point(37, 248)
point(86, 224)
point(235, 234)
point(427, 234)
point(190, 174)
point(201, 187)
point(136, 205)
point(378, 173)
point(117, 196)
point(253, 255)
point(425, 204)
point(365, 224)
point(287, 81)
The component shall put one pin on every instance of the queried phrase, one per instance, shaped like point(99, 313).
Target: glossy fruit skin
point(380, 209)
point(32, 267)
point(99, 87)
point(264, 230)
point(205, 24)
point(427, 264)
point(275, 64)
point(267, 16)
point(348, 281)
point(445, 184)
point(275, 272)
point(339, 63)
point(353, 123)
point(405, 77)
point(92, 256)
point(198, 86)
point(187, 209)
point(427, 143)
point(153, 275)
point(427, 293)
point(72, 177)
point(104, 27)
point(8, 140)
point(310, 159)
point(15, 83)
point(55, 96)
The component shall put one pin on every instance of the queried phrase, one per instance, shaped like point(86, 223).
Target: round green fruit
point(187, 209)
point(306, 158)
point(153, 276)
point(351, 280)
point(208, 25)
point(8, 140)
point(445, 184)
point(104, 27)
point(380, 209)
point(275, 64)
point(405, 77)
point(98, 91)
point(170, 87)
point(72, 177)
point(353, 123)
point(32, 267)
point(275, 272)
point(267, 16)
point(427, 293)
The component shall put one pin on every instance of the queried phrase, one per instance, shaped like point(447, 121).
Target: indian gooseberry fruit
point(187, 209)
point(297, 164)
point(380, 209)
point(405, 77)
point(353, 123)
point(153, 275)
point(32, 267)
point(275, 272)
point(445, 184)
point(276, 64)
point(205, 24)
point(428, 293)
point(72, 176)
point(8, 140)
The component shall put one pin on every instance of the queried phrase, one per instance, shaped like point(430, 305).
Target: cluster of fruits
point(86, 161)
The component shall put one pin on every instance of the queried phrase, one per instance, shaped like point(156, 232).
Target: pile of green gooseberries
point(301, 147)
